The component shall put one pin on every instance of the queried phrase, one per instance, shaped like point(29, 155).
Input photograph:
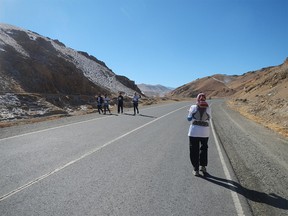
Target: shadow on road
point(140, 115)
point(256, 196)
point(147, 116)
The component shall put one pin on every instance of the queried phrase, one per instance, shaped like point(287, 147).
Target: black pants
point(198, 151)
point(99, 107)
point(106, 108)
point(120, 107)
point(135, 106)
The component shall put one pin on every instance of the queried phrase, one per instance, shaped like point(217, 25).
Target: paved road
point(259, 157)
point(114, 165)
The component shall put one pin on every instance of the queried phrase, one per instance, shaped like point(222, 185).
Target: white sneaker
point(196, 173)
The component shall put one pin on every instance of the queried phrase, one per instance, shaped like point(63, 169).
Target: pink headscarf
point(201, 100)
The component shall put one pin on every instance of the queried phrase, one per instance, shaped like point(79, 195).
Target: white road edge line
point(53, 128)
point(234, 195)
point(19, 189)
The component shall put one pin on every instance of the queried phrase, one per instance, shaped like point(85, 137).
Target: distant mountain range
point(154, 90)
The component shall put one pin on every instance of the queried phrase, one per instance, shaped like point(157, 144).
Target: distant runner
point(120, 100)
point(106, 104)
point(135, 103)
point(99, 103)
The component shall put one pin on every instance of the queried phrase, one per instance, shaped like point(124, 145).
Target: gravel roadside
point(259, 158)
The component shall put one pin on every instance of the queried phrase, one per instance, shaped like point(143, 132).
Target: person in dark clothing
point(99, 104)
point(120, 101)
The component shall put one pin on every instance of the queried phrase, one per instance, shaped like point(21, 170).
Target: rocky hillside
point(34, 68)
point(154, 90)
point(260, 95)
point(263, 96)
point(214, 86)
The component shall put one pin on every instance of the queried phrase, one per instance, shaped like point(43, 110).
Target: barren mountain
point(36, 69)
point(263, 96)
point(260, 95)
point(214, 86)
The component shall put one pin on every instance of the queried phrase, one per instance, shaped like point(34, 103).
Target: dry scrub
point(271, 114)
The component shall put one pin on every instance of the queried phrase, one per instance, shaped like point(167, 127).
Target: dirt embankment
point(264, 97)
point(267, 113)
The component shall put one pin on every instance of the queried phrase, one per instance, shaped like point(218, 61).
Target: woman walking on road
point(199, 115)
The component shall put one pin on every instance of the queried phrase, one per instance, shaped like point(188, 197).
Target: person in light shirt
point(106, 104)
point(135, 103)
point(199, 116)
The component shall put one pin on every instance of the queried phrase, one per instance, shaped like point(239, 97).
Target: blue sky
point(167, 42)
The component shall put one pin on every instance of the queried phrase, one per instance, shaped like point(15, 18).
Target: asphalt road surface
point(259, 158)
point(119, 165)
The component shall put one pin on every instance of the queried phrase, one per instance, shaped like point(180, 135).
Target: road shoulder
point(258, 157)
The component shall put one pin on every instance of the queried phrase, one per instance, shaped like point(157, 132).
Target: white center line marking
point(17, 190)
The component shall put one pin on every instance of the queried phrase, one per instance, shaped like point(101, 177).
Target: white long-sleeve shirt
point(197, 130)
